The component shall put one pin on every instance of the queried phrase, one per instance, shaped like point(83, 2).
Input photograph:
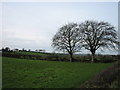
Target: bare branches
point(91, 35)
point(68, 39)
point(97, 35)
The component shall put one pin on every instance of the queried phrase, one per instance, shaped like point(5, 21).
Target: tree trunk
point(93, 58)
point(71, 57)
point(93, 55)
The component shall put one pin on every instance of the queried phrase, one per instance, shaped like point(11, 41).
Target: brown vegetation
point(105, 79)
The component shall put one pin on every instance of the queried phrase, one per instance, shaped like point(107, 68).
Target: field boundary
point(105, 78)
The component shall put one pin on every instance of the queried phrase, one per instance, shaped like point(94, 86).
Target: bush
point(104, 78)
point(63, 57)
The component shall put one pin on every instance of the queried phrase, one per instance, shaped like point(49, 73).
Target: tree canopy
point(91, 35)
point(98, 35)
point(67, 39)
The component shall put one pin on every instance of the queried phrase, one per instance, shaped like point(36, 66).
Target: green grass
point(23, 73)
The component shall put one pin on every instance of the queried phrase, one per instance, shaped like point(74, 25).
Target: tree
point(29, 50)
point(67, 39)
point(24, 50)
point(7, 49)
point(16, 49)
point(98, 35)
point(41, 50)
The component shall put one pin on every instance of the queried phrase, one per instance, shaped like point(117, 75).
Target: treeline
point(57, 56)
point(47, 56)
point(7, 49)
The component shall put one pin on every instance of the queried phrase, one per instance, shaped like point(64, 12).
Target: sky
point(32, 25)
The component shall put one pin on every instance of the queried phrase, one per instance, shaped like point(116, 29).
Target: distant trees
point(24, 50)
point(67, 39)
point(98, 35)
point(40, 50)
point(91, 35)
point(29, 50)
point(16, 50)
point(7, 49)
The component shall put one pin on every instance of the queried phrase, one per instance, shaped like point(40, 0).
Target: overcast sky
point(32, 25)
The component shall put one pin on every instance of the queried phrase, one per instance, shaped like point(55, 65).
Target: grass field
point(23, 73)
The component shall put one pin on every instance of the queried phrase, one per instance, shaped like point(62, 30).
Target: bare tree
point(67, 39)
point(98, 35)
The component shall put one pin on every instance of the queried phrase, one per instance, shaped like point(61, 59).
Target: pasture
point(24, 73)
